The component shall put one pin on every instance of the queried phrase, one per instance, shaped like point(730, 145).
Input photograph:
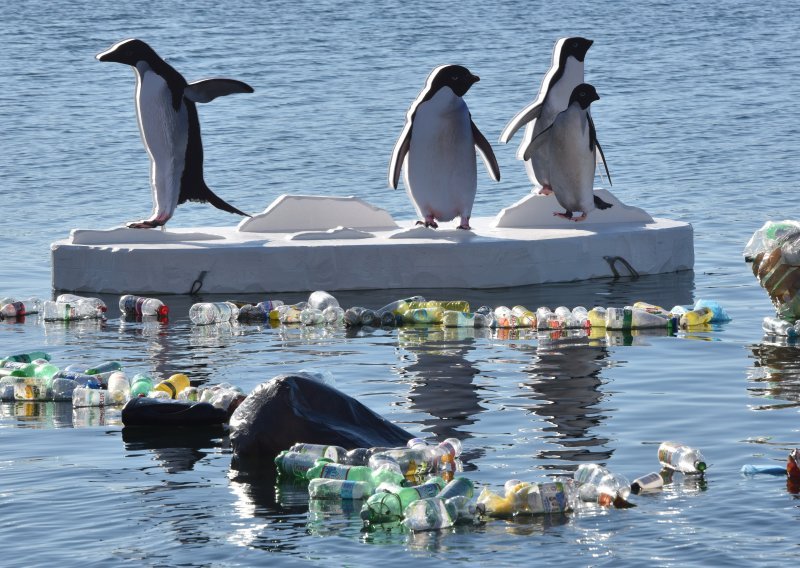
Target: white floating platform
point(305, 243)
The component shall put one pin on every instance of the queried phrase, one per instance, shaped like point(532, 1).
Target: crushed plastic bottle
point(205, 313)
point(678, 457)
point(97, 303)
point(137, 306)
point(598, 484)
point(338, 489)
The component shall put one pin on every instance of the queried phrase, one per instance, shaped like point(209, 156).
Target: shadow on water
point(777, 372)
point(175, 449)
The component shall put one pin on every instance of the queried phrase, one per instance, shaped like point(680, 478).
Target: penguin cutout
point(170, 129)
point(436, 149)
point(572, 147)
point(566, 72)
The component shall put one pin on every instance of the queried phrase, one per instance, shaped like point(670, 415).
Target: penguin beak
point(106, 56)
point(475, 79)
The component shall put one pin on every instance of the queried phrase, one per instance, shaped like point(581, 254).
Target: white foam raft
point(304, 243)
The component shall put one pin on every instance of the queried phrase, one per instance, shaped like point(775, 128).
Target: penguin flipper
point(485, 149)
point(206, 90)
point(533, 144)
point(530, 112)
point(594, 142)
point(399, 155)
point(202, 194)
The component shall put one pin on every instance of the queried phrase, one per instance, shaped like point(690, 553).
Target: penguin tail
point(600, 204)
point(205, 195)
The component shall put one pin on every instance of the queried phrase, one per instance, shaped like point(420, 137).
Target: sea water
point(698, 121)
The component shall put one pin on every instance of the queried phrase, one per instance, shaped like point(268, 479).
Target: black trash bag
point(144, 411)
point(295, 408)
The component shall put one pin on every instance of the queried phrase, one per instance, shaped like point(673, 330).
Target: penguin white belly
point(165, 133)
point(441, 167)
point(572, 162)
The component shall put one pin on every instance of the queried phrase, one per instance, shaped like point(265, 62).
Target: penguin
point(436, 149)
point(170, 129)
point(572, 148)
point(565, 73)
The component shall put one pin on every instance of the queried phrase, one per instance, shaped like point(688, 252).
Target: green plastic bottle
point(25, 357)
point(388, 506)
point(141, 385)
point(323, 468)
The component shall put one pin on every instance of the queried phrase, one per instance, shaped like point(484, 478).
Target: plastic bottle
point(189, 394)
point(294, 463)
point(140, 306)
point(119, 387)
point(30, 388)
point(106, 367)
point(597, 317)
point(503, 318)
point(323, 468)
point(458, 486)
point(387, 505)
point(83, 396)
point(435, 513)
point(333, 453)
point(227, 397)
point(597, 484)
point(454, 305)
point(321, 488)
point(651, 308)
point(141, 385)
point(699, 316)
point(564, 317)
point(334, 315)
point(679, 457)
point(419, 459)
point(525, 317)
point(451, 318)
point(20, 308)
point(398, 307)
point(580, 317)
point(433, 314)
point(25, 357)
point(650, 482)
point(61, 389)
point(311, 316)
point(320, 300)
point(97, 303)
point(66, 311)
point(360, 456)
point(206, 313)
point(677, 311)
point(633, 318)
point(778, 326)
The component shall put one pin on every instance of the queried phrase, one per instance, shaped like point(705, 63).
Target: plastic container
point(780, 327)
point(431, 315)
point(97, 303)
point(597, 317)
point(458, 486)
point(141, 385)
point(69, 311)
point(119, 387)
point(419, 460)
point(83, 396)
point(387, 505)
point(312, 316)
point(719, 314)
point(333, 453)
point(320, 300)
point(358, 317)
point(24, 357)
point(338, 489)
point(206, 313)
point(454, 305)
point(61, 389)
point(634, 318)
point(647, 483)
point(323, 468)
point(334, 315)
point(105, 367)
point(435, 513)
point(140, 306)
point(296, 463)
point(20, 308)
point(678, 457)
point(597, 484)
point(31, 388)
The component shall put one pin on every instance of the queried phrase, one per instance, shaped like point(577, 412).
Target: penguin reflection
point(565, 377)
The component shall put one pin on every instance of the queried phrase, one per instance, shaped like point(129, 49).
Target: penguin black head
point(584, 94)
point(458, 78)
point(129, 52)
point(575, 47)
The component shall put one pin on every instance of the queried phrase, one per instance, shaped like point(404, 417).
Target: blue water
point(698, 121)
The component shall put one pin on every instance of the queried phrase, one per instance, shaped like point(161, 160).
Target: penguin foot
point(143, 224)
point(464, 224)
point(465, 227)
point(432, 224)
point(582, 217)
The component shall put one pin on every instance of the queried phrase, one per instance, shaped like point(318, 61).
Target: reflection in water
point(176, 449)
point(30, 414)
point(564, 379)
point(776, 374)
point(442, 380)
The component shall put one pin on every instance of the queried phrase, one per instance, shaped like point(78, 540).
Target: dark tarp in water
point(144, 411)
point(295, 408)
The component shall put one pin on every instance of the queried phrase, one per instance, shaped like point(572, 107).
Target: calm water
point(698, 121)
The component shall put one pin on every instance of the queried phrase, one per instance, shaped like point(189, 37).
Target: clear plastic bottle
point(131, 305)
point(634, 318)
point(360, 456)
point(503, 318)
point(206, 313)
point(652, 308)
point(525, 317)
point(97, 303)
point(419, 460)
point(564, 317)
point(189, 394)
point(389, 502)
point(320, 300)
point(338, 489)
point(30, 388)
point(451, 318)
point(676, 456)
point(311, 316)
point(435, 513)
point(333, 453)
point(543, 317)
point(778, 326)
point(323, 468)
point(119, 387)
point(297, 463)
point(398, 307)
point(651, 482)
point(454, 305)
point(141, 385)
point(20, 308)
point(334, 315)
point(66, 311)
point(580, 316)
point(597, 484)
point(83, 396)
point(433, 314)
point(61, 388)
point(227, 398)
point(458, 486)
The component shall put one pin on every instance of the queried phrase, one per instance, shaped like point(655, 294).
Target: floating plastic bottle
point(61, 389)
point(523, 498)
point(778, 326)
point(453, 305)
point(334, 315)
point(119, 387)
point(387, 504)
point(97, 303)
point(297, 463)
point(20, 308)
point(360, 456)
point(206, 313)
point(419, 460)
point(696, 317)
point(141, 385)
point(225, 396)
point(103, 368)
point(525, 317)
point(398, 307)
point(435, 513)
point(24, 357)
point(647, 483)
point(597, 484)
point(311, 316)
point(358, 317)
point(333, 453)
point(320, 300)
point(189, 394)
point(30, 388)
point(597, 317)
point(323, 468)
point(138, 306)
point(431, 315)
point(503, 318)
point(634, 318)
point(451, 318)
point(676, 456)
point(69, 311)
point(458, 486)
point(564, 317)
point(83, 396)
point(338, 489)
point(580, 317)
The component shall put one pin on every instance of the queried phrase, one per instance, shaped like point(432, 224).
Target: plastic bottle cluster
point(419, 486)
point(32, 377)
point(69, 307)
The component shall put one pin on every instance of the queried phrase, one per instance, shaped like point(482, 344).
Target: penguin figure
point(436, 149)
point(170, 129)
point(565, 73)
point(572, 148)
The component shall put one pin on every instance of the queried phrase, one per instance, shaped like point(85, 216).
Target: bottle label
point(348, 489)
point(665, 453)
point(554, 499)
point(427, 490)
point(334, 472)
